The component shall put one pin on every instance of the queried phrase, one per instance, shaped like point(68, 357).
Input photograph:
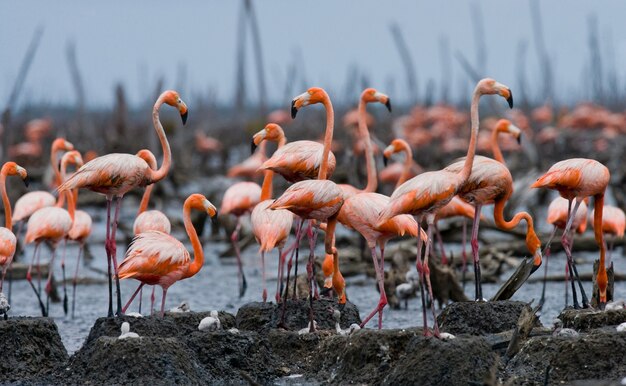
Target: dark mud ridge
point(251, 349)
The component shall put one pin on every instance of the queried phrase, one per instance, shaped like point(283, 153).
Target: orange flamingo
point(613, 222)
point(315, 199)
point(271, 227)
point(8, 242)
point(423, 195)
point(51, 224)
point(115, 174)
point(399, 172)
point(578, 178)
point(503, 126)
point(249, 168)
point(557, 216)
point(156, 258)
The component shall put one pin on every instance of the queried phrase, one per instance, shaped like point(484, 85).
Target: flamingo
point(399, 172)
point(503, 126)
point(423, 195)
point(613, 222)
point(156, 258)
point(51, 224)
point(270, 227)
point(113, 175)
point(8, 242)
point(318, 199)
point(249, 168)
point(576, 179)
point(557, 216)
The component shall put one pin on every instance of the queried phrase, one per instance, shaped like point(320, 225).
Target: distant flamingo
point(426, 193)
point(399, 172)
point(557, 216)
point(8, 241)
point(315, 199)
point(578, 178)
point(271, 227)
point(115, 174)
point(156, 258)
point(249, 168)
point(51, 224)
point(503, 126)
point(456, 207)
point(613, 222)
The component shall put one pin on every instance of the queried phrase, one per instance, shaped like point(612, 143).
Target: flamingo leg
point(163, 302)
point(140, 299)
point(286, 297)
point(608, 258)
point(464, 253)
point(281, 269)
point(382, 302)
point(234, 238)
point(29, 278)
point(48, 286)
point(118, 206)
point(567, 279)
point(546, 254)
point(108, 252)
point(420, 270)
point(565, 241)
point(75, 280)
point(65, 304)
point(263, 275)
point(444, 258)
point(132, 297)
point(474, 243)
point(431, 220)
point(310, 266)
point(17, 252)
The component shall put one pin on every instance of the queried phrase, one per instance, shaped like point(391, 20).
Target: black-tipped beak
point(519, 139)
point(184, 117)
point(294, 109)
point(533, 269)
point(510, 99)
point(385, 161)
point(388, 105)
point(214, 219)
point(252, 147)
point(26, 181)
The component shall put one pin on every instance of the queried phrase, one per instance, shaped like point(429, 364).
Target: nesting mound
point(262, 317)
point(30, 348)
point(481, 318)
point(587, 319)
point(594, 356)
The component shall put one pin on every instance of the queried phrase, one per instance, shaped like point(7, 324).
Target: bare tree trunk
point(405, 56)
point(595, 61)
point(77, 130)
point(542, 53)
point(258, 52)
point(7, 135)
point(522, 47)
point(240, 75)
point(479, 38)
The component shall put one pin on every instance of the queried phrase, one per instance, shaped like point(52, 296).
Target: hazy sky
point(136, 42)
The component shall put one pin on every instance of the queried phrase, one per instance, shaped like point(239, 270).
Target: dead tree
point(545, 65)
point(77, 130)
point(405, 56)
point(258, 53)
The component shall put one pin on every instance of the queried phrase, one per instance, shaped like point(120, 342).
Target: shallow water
point(215, 287)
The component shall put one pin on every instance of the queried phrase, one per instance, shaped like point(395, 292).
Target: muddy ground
point(249, 349)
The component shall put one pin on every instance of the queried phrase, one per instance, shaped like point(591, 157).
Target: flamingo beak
point(252, 147)
point(519, 139)
point(26, 181)
point(510, 99)
point(385, 161)
point(183, 116)
point(388, 105)
point(294, 109)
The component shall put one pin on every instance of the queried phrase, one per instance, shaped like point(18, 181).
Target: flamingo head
point(310, 97)
point(271, 132)
point(60, 144)
point(489, 86)
point(73, 157)
point(504, 125)
point(370, 95)
point(395, 146)
point(207, 206)
point(13, 169)
point(172, 98)
point(534, 246)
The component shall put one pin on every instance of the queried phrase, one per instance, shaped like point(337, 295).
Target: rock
point(153, 361)
point(480, 318)
point(172, 325)
point(594, 356)
point(587, 319)
point(260, 316)
point(30, 347)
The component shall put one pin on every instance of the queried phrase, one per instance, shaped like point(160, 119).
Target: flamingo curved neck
point(408, 162)
point(145, 199)
point(71, 204)
point(55, 164)
point(469, 160)
point(498, 216)
point(6, 202)
point(328, 137)
point(372, 181)
point(495, 146)
point(198, 253)
point(62, 177)
point(159, 174)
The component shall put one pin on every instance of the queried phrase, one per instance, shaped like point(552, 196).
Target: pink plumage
point(30, 202)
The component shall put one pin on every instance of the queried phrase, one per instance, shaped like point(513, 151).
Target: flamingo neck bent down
point(198, 253)
point(532, 241)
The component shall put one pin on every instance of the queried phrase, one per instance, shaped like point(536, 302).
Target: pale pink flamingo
point(271, 227)
point(426, 193)
point(249, 168)
point(115, 174)
point(156, 258)
point(397, 172)
point(318, 199)
point(613, 223)
point(578, 178)
point(8, 242)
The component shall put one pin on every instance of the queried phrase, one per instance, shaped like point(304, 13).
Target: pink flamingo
point(51, 224)
point(271, 227)
point(115, 174)
point(399, 172)
point(578, 178)
point(156, 258)
point(8, 242)
point(613, 222)
point(423, 195)
point(249, 168)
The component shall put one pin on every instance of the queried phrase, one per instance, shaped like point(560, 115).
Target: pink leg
point(281, 269)
point(132, 297)
point(241, 276)
point(263, 275)
point(420, 269)
point(48, 286)
point(114, 255)
point(566, 242)
point(163, 302)
point(464, 252)
point(75, 281)
point(152, 298)
point(474, 243)
point(310, 267)
point(444, 258)
point(427, 274)
point(382, 302)
point(546, 254)
point(286, 297)
point(107, 248)
point(65, 304)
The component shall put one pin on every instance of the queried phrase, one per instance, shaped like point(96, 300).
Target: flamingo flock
point(419, 200)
